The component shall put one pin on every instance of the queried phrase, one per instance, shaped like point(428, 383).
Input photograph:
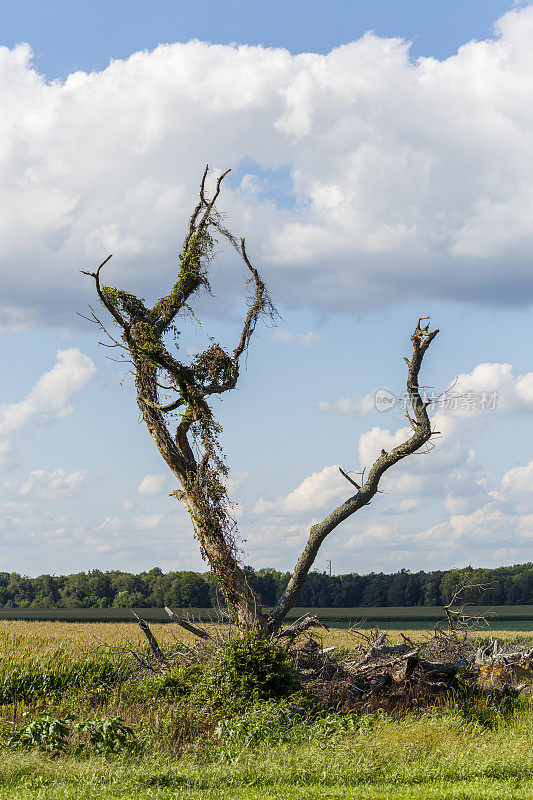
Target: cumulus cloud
point(23, 524)
point(491, 387)
point(447, 484)
point(476, 523)
point(147, 522)
point(489, 527)
point(153, 484)
point(518, 480)
point(47, 401)
point(7, 455)
point(50, 398)
point(347, 408)
point(303, 339)
point(463, 411)
point(488, 389)
point(235, 480)
point(48, 485)
point(313, 494)
point(405, 178)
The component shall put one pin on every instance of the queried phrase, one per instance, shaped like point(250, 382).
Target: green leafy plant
point(51, 735)
point(246, 670)
point(106, 735)
point(179, 681)
point(44, 733)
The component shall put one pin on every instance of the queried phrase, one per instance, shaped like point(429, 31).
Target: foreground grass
point(62, 668)
point(439, 755)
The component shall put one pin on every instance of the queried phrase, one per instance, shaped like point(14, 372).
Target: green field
point(369, 616)
point(436, 757)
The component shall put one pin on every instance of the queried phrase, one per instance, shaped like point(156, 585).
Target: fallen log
point(300, 626)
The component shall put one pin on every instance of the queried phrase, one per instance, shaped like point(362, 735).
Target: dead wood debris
point(376, 673)
point(379, 674)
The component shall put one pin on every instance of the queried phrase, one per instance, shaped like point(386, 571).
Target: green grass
point(428, 756)
point(59, 669)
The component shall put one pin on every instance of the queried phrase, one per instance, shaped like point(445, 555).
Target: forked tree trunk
point(192, 452)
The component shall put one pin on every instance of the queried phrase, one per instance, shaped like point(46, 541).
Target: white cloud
point(518, 480)
point(148, 521)
point(303, 339)
point(313, 494)
point(111, 523)
point(47, 401)
point(377, 532)
point(50, 398)
point(406, 177)
point(347, 408)
point(48, 485)
point(487, 527)
point(7, 456)
point(153, 484)
point(492, 387)
point(377, 439)
point(446, 484)
point(235, 480)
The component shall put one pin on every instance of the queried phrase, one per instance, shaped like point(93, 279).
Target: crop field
point(133, 735)
point(362, 615)
point(40, 639)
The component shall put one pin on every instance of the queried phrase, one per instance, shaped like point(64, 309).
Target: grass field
point(62, 669)
point(23, 638)
point(420, 758)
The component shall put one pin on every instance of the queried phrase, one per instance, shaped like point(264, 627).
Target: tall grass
point(34, 667)
point(464, 751)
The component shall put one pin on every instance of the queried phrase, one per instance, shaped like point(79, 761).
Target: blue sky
point(375, 180)
point(68, 36)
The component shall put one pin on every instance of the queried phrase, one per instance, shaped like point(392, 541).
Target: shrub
point(179, 681)
point(247, 670)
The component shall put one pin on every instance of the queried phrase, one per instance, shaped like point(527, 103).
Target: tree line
point(511, 585)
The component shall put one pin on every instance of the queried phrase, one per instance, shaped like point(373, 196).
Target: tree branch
point(188, 626)
point(117, 316)
point(261, 303)
point(345, 475)
point(421, 340)
point(152, 641)
point(190, 276)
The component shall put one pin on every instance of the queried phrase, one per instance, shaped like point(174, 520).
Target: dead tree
point(193, 451)
point(456, 615)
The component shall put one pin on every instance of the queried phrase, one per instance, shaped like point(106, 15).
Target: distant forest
point(155, 589)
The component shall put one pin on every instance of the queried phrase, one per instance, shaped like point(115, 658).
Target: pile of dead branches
point(379, 674)
point(375, 673)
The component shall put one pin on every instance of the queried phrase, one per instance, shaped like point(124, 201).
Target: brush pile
point(379, 674)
